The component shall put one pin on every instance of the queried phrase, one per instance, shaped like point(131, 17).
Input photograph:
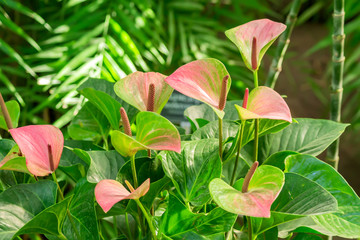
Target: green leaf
point(263, 189)
point(211, 130)
point(21, 203)
point(308, 136)
point(278, 159)
point(346, 222)
point(153, 132)
point(177, 221)
point(89, 124)
point(104, 165)
point(14, 112)
point(83, 214)
point(193, 169)
point(48, 221)
point(5, 146)
point(301, 196)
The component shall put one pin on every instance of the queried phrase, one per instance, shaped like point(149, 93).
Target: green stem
point(255, 75)
point(67, 210)
point(338, 59)
point(148, 219)
point(128, 226)
point(250, 233)
point(256, 134)
point(238, 153)
point(133, 169)
point(220, 137)
point(284, 40)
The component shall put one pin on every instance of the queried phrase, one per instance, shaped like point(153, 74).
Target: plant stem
point(284, 40)
point(238, 153)
point(256, 134)
point(220, 137)
point(338, 59)
point(133, 169)
point(249, 228)
point(148, 219)
point(128, 226)
point(67, 210)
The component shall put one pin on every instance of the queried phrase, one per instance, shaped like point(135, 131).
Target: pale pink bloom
point(34, 142)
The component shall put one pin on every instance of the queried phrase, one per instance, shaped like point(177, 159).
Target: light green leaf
point(14, 112)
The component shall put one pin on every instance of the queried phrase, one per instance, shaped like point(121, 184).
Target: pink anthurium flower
point(264, 102)
point(108, 192)
point(254, 38)
point(206, 80)
point(136, 88)
point(42, 146)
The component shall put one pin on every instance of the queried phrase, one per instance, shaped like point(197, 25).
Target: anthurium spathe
point(36, 143)
point(135, 88)
point(153, 132)
point(108, 192)
point(254, 38)
point(256, 198)
point(264, 102)
point(203, 80)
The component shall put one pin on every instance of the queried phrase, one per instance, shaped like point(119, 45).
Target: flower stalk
point(256, 134)
point(284, 40)
point(338, 60)
point(222, 102)
point(5, 113)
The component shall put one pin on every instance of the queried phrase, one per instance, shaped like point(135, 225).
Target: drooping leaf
point(16, 209)
point(264, 30)
point(108, 192)
point(34, 142)
point(346, 222)
point(193, 169)
point(83, 214)
point(264, 102)
point(14, 112)
point(178, 221)
point(201, 80)
point(153, 132)
point(134, 90)
point(308, 136)
point(263, 189)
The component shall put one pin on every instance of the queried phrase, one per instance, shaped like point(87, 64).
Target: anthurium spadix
point(264, 102)
point(203, 80)
point(254, 38)
point(42, 146)
point(135, 88)
point(254, 200)
point(108, 192)
point(152, 132)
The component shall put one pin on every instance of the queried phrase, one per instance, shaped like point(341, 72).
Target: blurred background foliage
point(48, 48)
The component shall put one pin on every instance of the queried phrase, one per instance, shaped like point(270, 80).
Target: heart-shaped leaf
point(153, 132)
point(193, 169)
point(264, 187)
point(14, 112)
point(34, 142)
point(134, 89)
point(264, 102)
point(109, 192)
point(346, 222)
point(201, 80)
point(264, 31)
point(16, 209)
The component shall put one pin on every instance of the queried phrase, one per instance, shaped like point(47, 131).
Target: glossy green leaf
point(278, 159)
point(263, 189)
point(178, 221)
point(14, 112)
point(153, 132)
point(104, 165)
point(82, 210)
point(16, 199)
point(346, 222)
point(89, 124)
point(48, 221)
point(193, 169)
point(308, 136)
point(301, 196)
point(14, 163)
